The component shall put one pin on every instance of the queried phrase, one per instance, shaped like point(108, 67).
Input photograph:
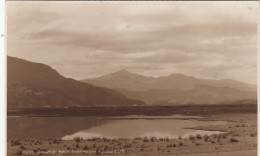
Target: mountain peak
point(179, 75)
point(123, 71)
point(176, 74)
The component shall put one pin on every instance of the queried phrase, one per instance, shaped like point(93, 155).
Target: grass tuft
point(16, 143)
point(198, 136)
point(145, 139)
point(85, 147)
point(22, 147)
point(153, 139)
point(206, 138)
point(77, 139)
point(191, 137)
point(233, 140)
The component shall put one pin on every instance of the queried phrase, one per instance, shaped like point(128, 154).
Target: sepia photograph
point(135, 78)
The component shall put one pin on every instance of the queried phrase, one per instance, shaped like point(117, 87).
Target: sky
point(213, 40)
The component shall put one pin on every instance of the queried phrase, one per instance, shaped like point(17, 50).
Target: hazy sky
point(80, 40)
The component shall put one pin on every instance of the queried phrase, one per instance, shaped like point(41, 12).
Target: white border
point(3, 127)
point(258, 83)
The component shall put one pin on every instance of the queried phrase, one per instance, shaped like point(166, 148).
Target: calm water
point(113, 127)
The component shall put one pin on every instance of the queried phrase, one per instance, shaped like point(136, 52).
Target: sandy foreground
point(239, 139)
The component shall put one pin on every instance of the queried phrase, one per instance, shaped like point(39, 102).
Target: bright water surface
point(110, 127)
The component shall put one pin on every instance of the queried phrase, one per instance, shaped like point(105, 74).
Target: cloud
point(151, 38)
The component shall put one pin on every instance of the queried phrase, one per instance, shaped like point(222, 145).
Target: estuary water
point(68, 128)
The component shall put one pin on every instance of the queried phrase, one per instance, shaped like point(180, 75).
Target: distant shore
point(135, 110)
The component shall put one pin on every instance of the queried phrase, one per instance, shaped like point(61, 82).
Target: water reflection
point(161, 128)
point(113, 127)
point(48, 127)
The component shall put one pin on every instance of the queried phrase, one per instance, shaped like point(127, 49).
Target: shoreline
point(189, 110)
point(240, 130)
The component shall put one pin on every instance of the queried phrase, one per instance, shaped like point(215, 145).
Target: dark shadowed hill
point(37, 85)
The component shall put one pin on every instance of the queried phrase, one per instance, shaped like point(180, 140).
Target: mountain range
point(175, 88)
point(32, 84)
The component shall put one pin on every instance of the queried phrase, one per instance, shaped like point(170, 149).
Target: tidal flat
point(238, 137)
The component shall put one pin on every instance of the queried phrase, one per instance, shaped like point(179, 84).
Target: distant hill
point(135, 82)
point(123, 79)
point(198, 95)
point(175, 88)
point(37, 85)
point(245, 102)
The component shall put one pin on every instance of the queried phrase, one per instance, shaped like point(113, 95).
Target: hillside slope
point(198, 95)
point(37, 85)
